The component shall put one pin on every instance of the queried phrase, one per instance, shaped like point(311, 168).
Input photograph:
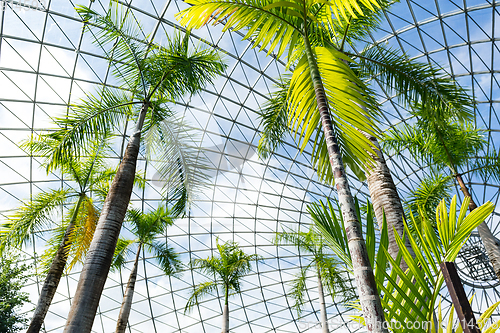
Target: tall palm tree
point(325, 265)
point(228, 269)
point(448, 143)
point(71, 239)
point(149, 77)
point(321, 79)
point(411, 81)
point(146, 227)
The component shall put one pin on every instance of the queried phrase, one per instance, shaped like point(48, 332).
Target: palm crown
point(228, 269)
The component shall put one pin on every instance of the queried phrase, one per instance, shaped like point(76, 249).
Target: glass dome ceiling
point(46, 63)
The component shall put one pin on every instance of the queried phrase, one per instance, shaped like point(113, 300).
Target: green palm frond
point(308, 242)
point(120, 37)
point(422, 202)
point(227, 269)
point(415, 82)
point(90, 121)
point(201, 290)
point(273, 25)
point(335, 279)
point(359, 28)
point(34, 215)
point(148, 225)
point(298, 288)
point(331, 228)
point(52, 247)
point(176, 70)
point(274, 120)
point(352, 111)
point(171, 150)
point(167, 258)
point(325, 263)
point(452, 145)
point(122, 251)
point(486, 166)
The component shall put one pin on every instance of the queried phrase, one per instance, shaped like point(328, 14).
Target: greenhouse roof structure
point(48, 62)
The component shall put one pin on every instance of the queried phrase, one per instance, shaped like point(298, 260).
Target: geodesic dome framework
point(46, 63)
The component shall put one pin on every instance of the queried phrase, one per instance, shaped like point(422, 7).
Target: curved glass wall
point(47, 63)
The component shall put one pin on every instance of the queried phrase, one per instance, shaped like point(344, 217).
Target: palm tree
point(326, 266)
point(145, 226)
point(150, 76)
point(73, 236)
point(227, 269)
point(321, 78)
point(409, 80)
point(449, 143)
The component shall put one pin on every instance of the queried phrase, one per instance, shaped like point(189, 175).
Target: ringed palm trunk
point(363, 272)
point(100, 255)
point(490, 243)
point(121, 324)
point(54, 275)
point(225, 312)
point(385, 199)
point(322, 305)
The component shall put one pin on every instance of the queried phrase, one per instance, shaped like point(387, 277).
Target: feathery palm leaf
point(90, 121)
point(167, 258)
point(415, 82)
point(453, 145)
point(274, 119)
point(426, 197)
point(201, 290)
point(122, 251)
point(119, 31)
point(353, 110)
point(298, 287)
point(272, 25)
point(33, 216)
point(486, 166)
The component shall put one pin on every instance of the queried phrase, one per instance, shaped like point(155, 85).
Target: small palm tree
point(149, 77)
point(227, 269)
point(146, 227)
point(325, 265)
point(71, 239)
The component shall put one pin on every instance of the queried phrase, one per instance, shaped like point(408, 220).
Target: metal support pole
point(459, 298)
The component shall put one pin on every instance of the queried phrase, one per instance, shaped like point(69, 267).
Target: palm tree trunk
point(100, 255)
point(322, 305)
point(54, 275)
point(363, 272)
point(121, 324)
point(385, 199)
point(491, 244)
point(225, 312)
